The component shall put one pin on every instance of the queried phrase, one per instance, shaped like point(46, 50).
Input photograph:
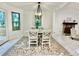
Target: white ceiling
point(44, 5)
point(74, 5)
point(33, 5)
point(22, 4)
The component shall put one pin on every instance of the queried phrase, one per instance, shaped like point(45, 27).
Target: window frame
point(38, 21)
point(13, 27)
point(4, 21)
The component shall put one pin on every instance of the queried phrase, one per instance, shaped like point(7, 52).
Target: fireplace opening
point(67, 27)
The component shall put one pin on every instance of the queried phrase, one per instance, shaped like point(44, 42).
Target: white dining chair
point(33, 38)
point(46, 38)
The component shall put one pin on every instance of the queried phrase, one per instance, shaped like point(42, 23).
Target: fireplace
point(67, 27)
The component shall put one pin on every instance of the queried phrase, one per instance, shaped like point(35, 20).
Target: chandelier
point(39, 11)
point(38, 16)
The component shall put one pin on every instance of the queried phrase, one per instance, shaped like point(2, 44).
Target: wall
point(61, 15)
point(8, 9)
point(2, 31)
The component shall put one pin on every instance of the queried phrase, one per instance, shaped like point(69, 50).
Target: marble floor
point(21, 49)
point(72, 46)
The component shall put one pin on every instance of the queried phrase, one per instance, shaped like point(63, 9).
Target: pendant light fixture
point(39, 11)
point(38, 16)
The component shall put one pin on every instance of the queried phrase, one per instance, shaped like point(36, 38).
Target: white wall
point(62, 15)
point(47, 20)
point(8, 9)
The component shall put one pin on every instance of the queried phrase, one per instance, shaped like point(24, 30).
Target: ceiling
point(44, 5)
point(74, 5)
point(33, 5)
point(22, 4)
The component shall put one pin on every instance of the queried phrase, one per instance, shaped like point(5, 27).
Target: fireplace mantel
point(70, 23)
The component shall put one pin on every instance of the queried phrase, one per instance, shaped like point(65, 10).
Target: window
point(2, 19)
point(37, 21)
point(15, 21)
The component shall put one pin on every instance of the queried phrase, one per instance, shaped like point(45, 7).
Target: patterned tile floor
point(21, 49)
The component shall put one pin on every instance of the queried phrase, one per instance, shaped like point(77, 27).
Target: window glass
point(38, 21)
point(2, 19)
point(15, 21)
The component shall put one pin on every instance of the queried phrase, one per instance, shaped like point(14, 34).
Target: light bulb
point(39, 14)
